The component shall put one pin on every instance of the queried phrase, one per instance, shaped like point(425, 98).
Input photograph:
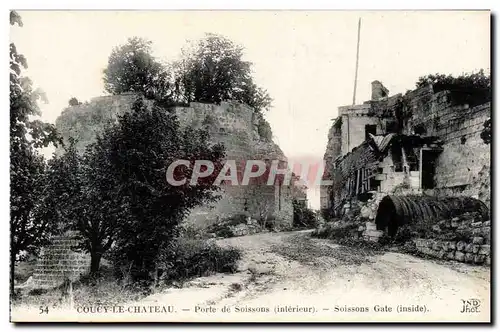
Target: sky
point(305, 60)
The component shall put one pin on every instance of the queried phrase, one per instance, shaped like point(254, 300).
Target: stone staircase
point(60, 261)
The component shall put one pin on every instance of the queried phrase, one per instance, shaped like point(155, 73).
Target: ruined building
point(426, 142)
point(233, 124)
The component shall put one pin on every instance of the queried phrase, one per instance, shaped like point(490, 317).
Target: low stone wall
point(458, 251)
point(59, 261)
point(463, 239)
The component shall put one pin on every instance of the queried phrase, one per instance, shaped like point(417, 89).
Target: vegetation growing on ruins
point(115, 193)
point(133, 68)
point(119, 193)
point(440, 82)
point(213, 70)
point(486, 132)
point(210, 70)
point(264, 129)
point(468, 88)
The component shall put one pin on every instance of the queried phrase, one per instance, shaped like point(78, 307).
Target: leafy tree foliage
point(133, 68)
point(74, 102)
point(210, 71)
point(302, 215)
point(139, 149)
point(27, 165)
point(62, 202)
point(440, 82)
point(486, 135)
point(213, 70)
point(117, 195)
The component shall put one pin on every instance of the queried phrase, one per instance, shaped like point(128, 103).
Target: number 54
point(43, 310)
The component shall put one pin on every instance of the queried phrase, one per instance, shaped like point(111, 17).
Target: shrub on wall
point(264, 130)
point(469, 80)
point(486, 132)
point(469, 88)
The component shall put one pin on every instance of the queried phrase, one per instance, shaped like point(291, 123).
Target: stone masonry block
point(484, 250)
point(478, 240)
point(459, 256)
point(461, 245)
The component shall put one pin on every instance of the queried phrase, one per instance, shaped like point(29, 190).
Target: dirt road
point(293, 277)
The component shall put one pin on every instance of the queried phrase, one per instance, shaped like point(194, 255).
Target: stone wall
point(354, 118)
point(233, 124)
point(464, 239)
point(83, 122)
point(462, 168)
point(355, 124)
point(60, 261)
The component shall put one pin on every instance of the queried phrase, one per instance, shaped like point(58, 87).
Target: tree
point(74, 102)
point(28, 230)
point(133, 68)
point(64, 200)
point(213, 70)
point(134, 209)
point(80, 197)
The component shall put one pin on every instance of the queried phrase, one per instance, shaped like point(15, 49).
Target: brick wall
point(60, 261)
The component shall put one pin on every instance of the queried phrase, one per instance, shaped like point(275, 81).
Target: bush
point(404, 234)
point(335, 231)
point(264, 130)
point(327, 214)
point(469, 81)
point(486, 132)
point(223, 227)
point(302, 215)
point(468, 88)
point(186, 258)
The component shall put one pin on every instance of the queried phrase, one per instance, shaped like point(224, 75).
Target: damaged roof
point(382, 142)
point(368, 153)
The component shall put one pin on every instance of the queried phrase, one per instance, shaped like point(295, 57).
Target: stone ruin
point(60, 261)
point(233, 124)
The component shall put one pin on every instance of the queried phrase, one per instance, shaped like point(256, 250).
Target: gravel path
point(291, 277)
point(293, 272)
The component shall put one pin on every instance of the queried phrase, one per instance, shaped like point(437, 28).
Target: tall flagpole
point(357, 62)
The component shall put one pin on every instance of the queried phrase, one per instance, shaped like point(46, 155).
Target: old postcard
point(250, 166)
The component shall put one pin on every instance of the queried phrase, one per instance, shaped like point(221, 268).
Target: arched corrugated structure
point(395, 211)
